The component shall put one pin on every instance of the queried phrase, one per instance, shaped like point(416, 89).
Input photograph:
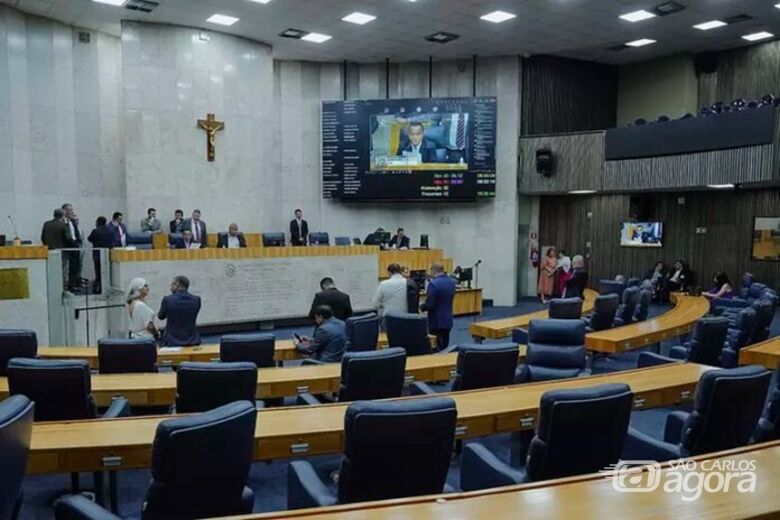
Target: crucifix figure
point(211, 126)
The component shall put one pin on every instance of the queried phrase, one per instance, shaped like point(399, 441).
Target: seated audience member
point(400, 240)
point(141, 315)
point(721, 287)
point(575, 286)
point(150, 224)
point(678, 279)
point(197, 227)
point(376, 238)
point(330, 296)
point(186, 241)
point(100, 238)
point(233, 239)
point(329, 339)
point(412, 292)
point(118, 229)
point(438, 305)
point(390, 296)
point(175, 224)
point(181, 309)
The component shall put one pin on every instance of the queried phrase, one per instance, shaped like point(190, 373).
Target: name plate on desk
point(14, 284)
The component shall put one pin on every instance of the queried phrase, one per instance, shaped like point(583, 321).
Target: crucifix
point(211, 126)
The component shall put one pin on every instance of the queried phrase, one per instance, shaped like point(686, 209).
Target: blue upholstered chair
point(204, 386)
point(257, 348)
point(706, 343)
point(139, 240)
point(362, 332)
point(126, 356)
point(768, 428)
point(273, 239)
point(16, 418)
point(611, 287)
point(755, 291)
point(392, 449)
point(408, 331)
point(727, 407)
point(603, 316)
point(633, 282)
point(16, 343)
point(556, 350)
point(738, 336)
point(342, 241)
point(628, 302)
point(319, 239)
point(200, 465)
point(580, 431)
point(377, 374)
point(173, 239)
point(642, 305)
point(765, 314)
point(566, 308)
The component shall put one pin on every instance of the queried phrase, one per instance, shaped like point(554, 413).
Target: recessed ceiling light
point(117, 3)
point(222, 19)
point(260, 1)
point(442, 37)
point(706, 26)
point(637, 16)
point(359, 18)
point(777, 6)
point(641, 42)
point(757, 36)
point(497, 16)
point(316, 37)
point(581, 192)
point(293, 33)
point(720, 186)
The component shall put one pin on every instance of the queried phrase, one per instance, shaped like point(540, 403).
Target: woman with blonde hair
point(141, 315)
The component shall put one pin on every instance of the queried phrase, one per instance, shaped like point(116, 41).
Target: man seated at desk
point(400, 240)
point(181, 309)
point(186, 241)
point(417, 144)
point(377, 238)
point(197, 227)
point(329, 339)
point(233, 239)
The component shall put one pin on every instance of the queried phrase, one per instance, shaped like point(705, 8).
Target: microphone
point(17, 240)
point(478, 262)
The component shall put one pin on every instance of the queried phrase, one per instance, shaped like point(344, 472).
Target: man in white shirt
point(232, 240)
point(391, 294)
point(299, 229)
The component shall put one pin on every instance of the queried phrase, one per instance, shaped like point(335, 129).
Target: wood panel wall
point(747, 72)
point(576, 222)
point(579, 162)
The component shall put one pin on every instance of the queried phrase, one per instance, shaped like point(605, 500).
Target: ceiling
point(572, 28)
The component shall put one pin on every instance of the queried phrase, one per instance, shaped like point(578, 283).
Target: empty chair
point(727, 407)
point(342, 241)
point(16, 343)
point(16, 418)
point(765, 313)
point(687, 115)
point(556, 350)
point(640, 121)
point(627, 307)
point(738, 336)
point(611, 287)
point(204, 386)
point(662, 119)
point(566, 308)
point(580, 431)
point(706, 343)
point(604, 309)
point(126, 356)
point(251, 348)
point(746, 282)
point(200, 465)
point(362, 333)
point(768, 428)
point(642, 305)
point(319, 239)
point(408, 331)
point(273, 239)
point(392, 449)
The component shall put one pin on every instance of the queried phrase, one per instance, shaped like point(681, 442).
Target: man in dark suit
point(418, 143)
point(198, 228)
point(73, 240)
point(184, 241)
point(438, 305)
point(232, 239)
point(118, 229)
point(54, 232)
point(329, 340)
point(575, 286)
point(181, 309)
point(338, 301)
point(299, 229)
point(100, 238)
point(400, 240)
point(178, 218)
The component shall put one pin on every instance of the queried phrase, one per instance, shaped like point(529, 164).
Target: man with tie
point(53, 234)
point(72, 259)
point(299, 229)
point(198, 228)
point(417, 143)
point(233, 239)
point(185, 241)
point(118, 229)
point(400, 240)
point(181, 309)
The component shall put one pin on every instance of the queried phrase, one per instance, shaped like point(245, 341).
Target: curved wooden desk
point(766, 353)
point(73, 446)
point(497, 329)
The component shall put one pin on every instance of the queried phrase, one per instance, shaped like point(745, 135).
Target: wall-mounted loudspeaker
point(545, 162)
point(641, 207)
point(706, 63)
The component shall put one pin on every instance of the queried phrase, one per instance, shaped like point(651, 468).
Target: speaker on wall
point(641, 207)
point(544, 162)
point(706, 62)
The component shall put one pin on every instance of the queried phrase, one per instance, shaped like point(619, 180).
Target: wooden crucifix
point(211, 126)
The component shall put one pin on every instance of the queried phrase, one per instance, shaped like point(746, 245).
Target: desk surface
point(24, 253)
point(766, 353)
point(69, 446)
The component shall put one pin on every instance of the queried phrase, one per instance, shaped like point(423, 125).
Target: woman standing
point(564, 271)
point(546, 280)
point(141, 315)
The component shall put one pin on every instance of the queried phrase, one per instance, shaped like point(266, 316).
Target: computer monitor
point(2, 240)
point(273, 239)
point(423, 241)
point(419, 277)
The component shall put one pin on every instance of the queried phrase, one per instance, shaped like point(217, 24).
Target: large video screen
point(409, 149)
point(766, 239)
point(641, 234)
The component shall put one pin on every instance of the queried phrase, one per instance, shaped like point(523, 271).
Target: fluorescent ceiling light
point(757, 36)
point(260, 1)
point(117, 3)
point(316, 37)
point(637, 16)
point(581, 192)
point(359, 18)
point(706, 26)
point(497, 16)
point(641, 43)
point(777, 6)
point(222, 19)
point(720, 186)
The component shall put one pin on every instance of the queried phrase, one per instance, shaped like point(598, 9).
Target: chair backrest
point(727, 407)
point(362, 333)
point(604, 309)
point(756, 288)
point(485, 366)
point(768, 428)
point(409, 331)
point(256, 348)
point(61, 389)
point(342, 241)
point(744, 328)
point(580, 430)
point(633, 282)
point(16, 418)
point(395, 449)
point(200, 464)
point(273, 239)
point(125, 356)
point(643, 305)
point(765, 310)
point(16, 343)
point(319, 239)
point(611, 287)
point(356, 241)
point(747, 281)
point(204, 386)
point(372, 375)
point(556, 349)
point(566, 308)
point(707, 340)
point(627, 306)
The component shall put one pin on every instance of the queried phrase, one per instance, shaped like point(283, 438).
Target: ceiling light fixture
point(641, 42)
point(720, 186)
point(706, 26)
point(359, 18)
point(117, 3)
point(763, 35)
point(222, 19)
point(442, 37)
point(637, 16)
point(316, 37)
point(581, 192)
point(497, 16)
point(260, 1)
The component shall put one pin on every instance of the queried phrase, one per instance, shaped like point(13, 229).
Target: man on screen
point(418, 143)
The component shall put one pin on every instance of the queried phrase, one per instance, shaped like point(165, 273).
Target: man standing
point(299, 229)
point(53, 234)
point(118, 229)
point(181, 309)
point(198, 228)
point(438, 304)
point(575, 286)
point(400, 240)
point(338, 301)
point(232, 240)
point(390, 296)
point(178, 218)
point(150, 224)
point(73, 240)
point(329, 339)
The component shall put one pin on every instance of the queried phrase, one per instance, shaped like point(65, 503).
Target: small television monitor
point(273, 239)
point(766, 239)
point(641, 234)
point(419, 277)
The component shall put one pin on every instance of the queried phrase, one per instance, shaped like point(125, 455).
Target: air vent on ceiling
point(145, 6)
point(737, 18)
point(293, 33)
point(441, 37)
point(668, 8)
point(616, 48)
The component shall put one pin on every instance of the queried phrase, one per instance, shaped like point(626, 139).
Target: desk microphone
point(478, 262)
point(17, 240)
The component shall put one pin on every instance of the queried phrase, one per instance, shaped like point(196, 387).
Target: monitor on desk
point(273, 239)
point(419, 277)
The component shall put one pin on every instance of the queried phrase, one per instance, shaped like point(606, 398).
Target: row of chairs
point(719, 107)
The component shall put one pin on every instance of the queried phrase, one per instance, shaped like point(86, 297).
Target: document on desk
point(164, 350)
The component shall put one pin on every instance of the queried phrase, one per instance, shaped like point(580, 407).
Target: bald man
point(232, 240)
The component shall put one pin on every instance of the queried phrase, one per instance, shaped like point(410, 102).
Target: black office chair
point(200, 466)
point(16, 343)
point(16, 418)
point(319, 239)
point(127, 356)
point(204, 386)
point(253, 348)
point(565, 308)
point(408, 331)
point(362, 333)
point(392, 449)
point(706, 343)
point(604, 309)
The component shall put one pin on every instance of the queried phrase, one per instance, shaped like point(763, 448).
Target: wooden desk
point(676, 322)
point(766, 353)
point(466, 301)
point(70, 446)
point(496, 329)
point(24, 253)
point(413, 259)
point(584, 497)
